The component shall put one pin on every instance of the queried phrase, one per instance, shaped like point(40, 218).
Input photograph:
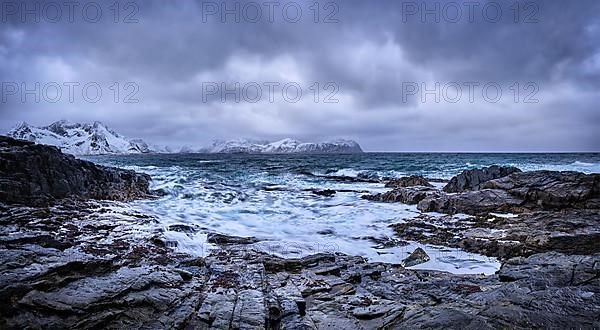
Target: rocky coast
point(70, 258)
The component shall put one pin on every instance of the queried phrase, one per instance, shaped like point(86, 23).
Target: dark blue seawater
point(437, 165)
point(270, 197)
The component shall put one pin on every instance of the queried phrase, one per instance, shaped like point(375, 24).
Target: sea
point(270, 197)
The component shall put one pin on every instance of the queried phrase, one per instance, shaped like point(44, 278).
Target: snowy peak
point(284, 146)
point(79, 139)
point(234, 146)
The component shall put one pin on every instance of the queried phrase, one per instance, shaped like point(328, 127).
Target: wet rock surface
point(551, 189)
point(417, 257)
point(77, 265)
point(409, 181)
point(471, 202)
point(568, 231)
point(34, 174)
point(517, 192)
point(473, 179)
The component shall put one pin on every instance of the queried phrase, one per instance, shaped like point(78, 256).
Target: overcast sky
point(369, 60)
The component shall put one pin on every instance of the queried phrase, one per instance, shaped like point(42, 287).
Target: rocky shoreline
point(72, 257)
point(34, 174)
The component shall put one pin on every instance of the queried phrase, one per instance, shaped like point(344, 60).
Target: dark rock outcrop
point(517, 192)
point(408, 181)
point(473, 179)
point(37, 174)
point(550, 189)
point(324, 192)
point(471, 202)
point(521, 192)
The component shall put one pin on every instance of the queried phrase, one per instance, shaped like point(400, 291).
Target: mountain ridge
point(97, 139)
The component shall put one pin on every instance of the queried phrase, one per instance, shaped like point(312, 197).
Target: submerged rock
point(37, 174)
point(473, 179)
point(325, 192)
point(225, 239)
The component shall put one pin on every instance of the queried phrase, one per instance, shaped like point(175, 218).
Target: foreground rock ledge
point(76, 265)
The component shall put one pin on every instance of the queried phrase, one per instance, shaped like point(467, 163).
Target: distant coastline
point(97, 139)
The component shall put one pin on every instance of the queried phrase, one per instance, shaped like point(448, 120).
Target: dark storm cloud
point(373, 50)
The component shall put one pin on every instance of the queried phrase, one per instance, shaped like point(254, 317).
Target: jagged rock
point(517, 192)
point(418, 256)
point(514, 191)
point(550, 189)
point(33, 174)
point(473, 179)
point(409, 181)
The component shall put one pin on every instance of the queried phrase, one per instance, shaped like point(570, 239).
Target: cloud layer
point(370, 62)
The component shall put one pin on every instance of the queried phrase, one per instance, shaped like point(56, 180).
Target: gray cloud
point(368, 54)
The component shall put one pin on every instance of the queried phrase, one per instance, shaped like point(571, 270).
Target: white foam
point(193, 244)
point(291, 221)
point(504, 215)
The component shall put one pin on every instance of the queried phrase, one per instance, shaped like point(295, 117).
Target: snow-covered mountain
point(80, 139)
point(282, 147)
point(98, 139)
